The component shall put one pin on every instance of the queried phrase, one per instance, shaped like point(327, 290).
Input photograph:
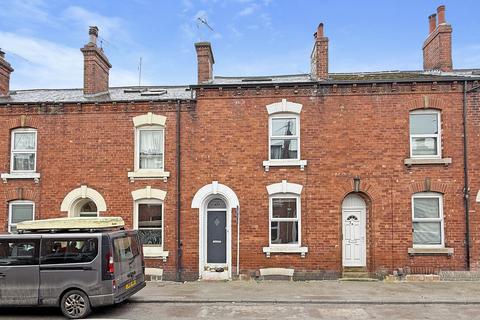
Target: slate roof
point(120, 94)
point(159, 93)
point(352, 77)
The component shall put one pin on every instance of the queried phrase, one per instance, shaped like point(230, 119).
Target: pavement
point(311, 292)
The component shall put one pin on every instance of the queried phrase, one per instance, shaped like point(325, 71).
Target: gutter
point(328, 82)
point(179, 240)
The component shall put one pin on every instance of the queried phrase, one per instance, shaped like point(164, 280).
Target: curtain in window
point(24, 141)
point(151, 149)
point(426, 208)
point(23, 161)
point(426, 233)
point(150, 223)
point(22, 212)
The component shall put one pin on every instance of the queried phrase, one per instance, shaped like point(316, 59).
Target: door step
point(355, 273)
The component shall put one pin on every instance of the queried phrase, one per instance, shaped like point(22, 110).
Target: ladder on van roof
point(76, 224)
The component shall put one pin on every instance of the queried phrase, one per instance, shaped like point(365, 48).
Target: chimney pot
point(93, 32)
point(320, 31)
point(2, 53)
point(432, 23)
point(441, 15)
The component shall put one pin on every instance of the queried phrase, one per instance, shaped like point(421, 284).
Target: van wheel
point(75, 304)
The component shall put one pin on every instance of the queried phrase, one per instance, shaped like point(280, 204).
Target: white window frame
point(135, 220)
point(13, 151)
point(438, 136)
point(293, 137)
point(297, 219)
point(10, 211)
point(137, 147)
point(440, 219)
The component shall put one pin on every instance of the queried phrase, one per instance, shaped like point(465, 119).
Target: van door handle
point(2, 275)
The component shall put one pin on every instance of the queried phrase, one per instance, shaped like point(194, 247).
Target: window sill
point(285, 249)
point(148, 174)
point(23, 175)
point(430, 251)
point(155, 253)
point(284, 163)
point(419, 161)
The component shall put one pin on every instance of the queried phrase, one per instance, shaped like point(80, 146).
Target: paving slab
point(314, 292)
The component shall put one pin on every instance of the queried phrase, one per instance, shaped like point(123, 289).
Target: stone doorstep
point(154, 274)
point(276, 274)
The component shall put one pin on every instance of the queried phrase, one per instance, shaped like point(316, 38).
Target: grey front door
point(216, 237)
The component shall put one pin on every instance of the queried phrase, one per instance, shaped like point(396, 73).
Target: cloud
point(41, 63)
point(111, 28)
point(30, 10)
point(248, 10)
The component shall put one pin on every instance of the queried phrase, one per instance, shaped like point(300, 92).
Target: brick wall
point(89, 145)
point(473, 133)
point(353, 132)
point(346, 131)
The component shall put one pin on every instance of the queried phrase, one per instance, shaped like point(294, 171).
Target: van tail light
point(110, 264)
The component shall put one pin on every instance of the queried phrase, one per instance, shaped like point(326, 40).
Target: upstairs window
point(427, 211)
point(23, 150)
point(284, 137)
point(425, 135)
point(150, 146)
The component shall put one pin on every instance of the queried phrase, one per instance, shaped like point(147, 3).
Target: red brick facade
point(350, 129)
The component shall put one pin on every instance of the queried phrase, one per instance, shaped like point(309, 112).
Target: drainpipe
point(179, 240)
point(238, 241)
point(466, 188)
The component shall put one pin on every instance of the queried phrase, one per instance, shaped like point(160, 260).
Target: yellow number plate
point(131, 284)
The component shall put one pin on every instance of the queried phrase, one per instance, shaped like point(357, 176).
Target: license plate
point(130, 284)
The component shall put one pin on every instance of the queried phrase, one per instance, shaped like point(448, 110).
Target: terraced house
point(318, 174)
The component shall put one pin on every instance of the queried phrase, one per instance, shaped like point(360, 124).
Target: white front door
point(354, 244)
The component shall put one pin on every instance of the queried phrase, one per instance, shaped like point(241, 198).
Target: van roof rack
point(71, 224)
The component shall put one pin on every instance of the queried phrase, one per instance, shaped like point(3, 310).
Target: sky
point(42, 38)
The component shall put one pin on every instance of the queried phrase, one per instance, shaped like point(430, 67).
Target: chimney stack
point(5, 71)
point(319, 57)
point(96, 66)
point(437, 48)
point(205, 62)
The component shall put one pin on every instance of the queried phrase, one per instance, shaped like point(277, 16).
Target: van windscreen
point(125, 248)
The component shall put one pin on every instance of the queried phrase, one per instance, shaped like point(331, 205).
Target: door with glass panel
point(216, 232)
point(354, 249)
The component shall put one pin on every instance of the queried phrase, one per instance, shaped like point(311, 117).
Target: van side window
point(55, 251)
point(125, 248)
point(18, 252)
